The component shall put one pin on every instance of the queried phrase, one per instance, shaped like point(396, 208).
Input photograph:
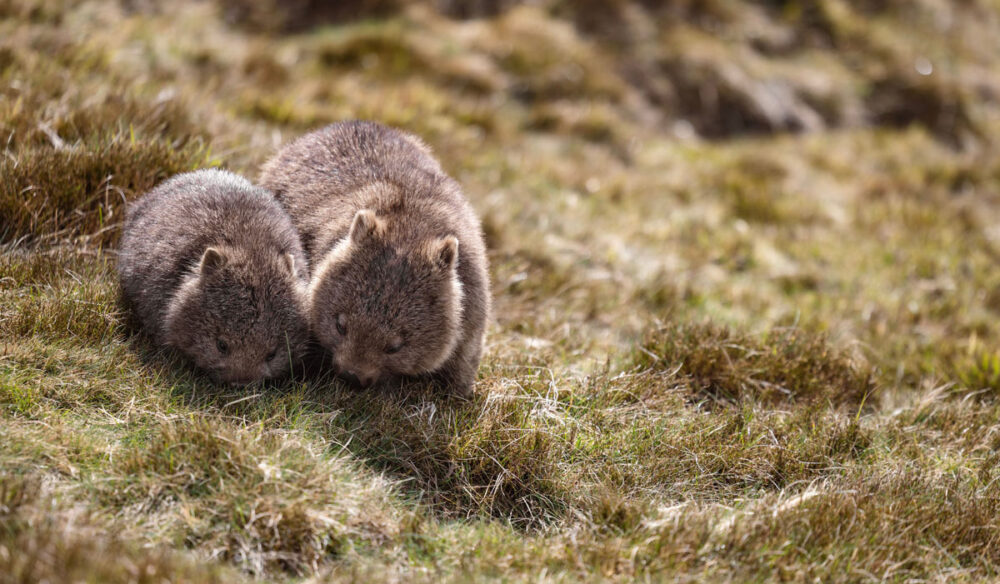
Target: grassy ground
point(744, 257)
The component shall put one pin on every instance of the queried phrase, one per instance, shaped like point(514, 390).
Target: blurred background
point(831, 164)
point(712, 69)
point(756, 161)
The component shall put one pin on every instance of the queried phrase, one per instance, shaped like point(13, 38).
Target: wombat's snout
point(241, 380)
point(241, 377)
point(363, 381)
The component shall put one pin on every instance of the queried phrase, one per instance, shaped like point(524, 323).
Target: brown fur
point(212, 266)
point(397, 252)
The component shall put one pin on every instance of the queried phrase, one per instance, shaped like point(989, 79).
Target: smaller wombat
point(212, 266)
point(399, 285)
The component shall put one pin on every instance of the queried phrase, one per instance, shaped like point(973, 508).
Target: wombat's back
point(318, 177)
point(343, 157)
point(168, 229)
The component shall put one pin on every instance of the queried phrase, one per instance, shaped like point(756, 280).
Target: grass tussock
point(60, 294)
point(298, 15)
point(252, 495)
point(490, 459)
point(851, 525)
point(980, 373)
point(50, 192)
point(656, 440)
point(42, 540)
point(783, 365)
point(873, 522)
point(73, 159)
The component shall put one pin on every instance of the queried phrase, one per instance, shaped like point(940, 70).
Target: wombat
point(399, 284)
point(212, 266)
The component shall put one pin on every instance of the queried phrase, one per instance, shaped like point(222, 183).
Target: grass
point(786, 365)
point(743, 257)
point(76, 148)
point(273, 524)
point(40, 541)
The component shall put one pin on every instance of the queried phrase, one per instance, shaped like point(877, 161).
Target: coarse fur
point(212, 266)
point(399, 286)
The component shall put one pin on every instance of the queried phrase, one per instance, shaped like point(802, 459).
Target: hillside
point(744, 257)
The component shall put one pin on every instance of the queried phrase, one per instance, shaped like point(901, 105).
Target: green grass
point(743, 257)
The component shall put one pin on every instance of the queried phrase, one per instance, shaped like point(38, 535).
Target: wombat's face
point(382, 312)
point(240, 318)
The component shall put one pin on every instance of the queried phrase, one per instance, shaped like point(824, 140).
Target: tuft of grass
point(783, 365)
point(72, 159)
point(550, 61)
point(42, 540)
point(297, 15)
point(488, 458)
point(755, 187)
point(60, 294)
point(980, 373)
point(50, 192)
point(899, 509)
point(264, 498)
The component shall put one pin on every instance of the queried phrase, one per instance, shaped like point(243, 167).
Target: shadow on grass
point(460, 457)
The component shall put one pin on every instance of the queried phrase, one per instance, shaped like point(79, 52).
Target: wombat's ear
point(289, 262)
point(365, 225)
point(444, 252)
point(211, 261)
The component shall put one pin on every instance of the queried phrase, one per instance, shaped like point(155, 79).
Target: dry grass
point(43, 541)
point(744, 260)
point(76, 149)
point(262, 499)
point(786, 365)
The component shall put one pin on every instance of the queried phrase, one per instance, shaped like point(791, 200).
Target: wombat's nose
point(242, 376)
point(350, 377)
point(362, 381)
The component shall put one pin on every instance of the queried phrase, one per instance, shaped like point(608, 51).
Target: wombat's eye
point(341, 324)
point(222, 346)
point(271, 355)
point(394, 348)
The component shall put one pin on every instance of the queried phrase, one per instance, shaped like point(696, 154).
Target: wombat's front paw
point(464, 390)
